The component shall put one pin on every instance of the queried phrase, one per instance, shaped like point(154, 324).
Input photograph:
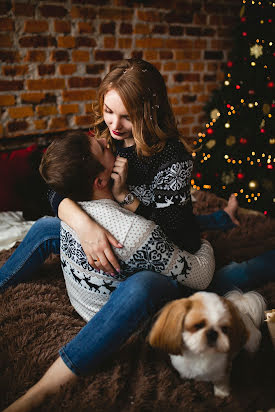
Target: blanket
point(37, 319)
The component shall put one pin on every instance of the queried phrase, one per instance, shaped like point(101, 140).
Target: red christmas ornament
point(228, 106)
point(243, 140)
point(210, 131)
point(198, 175)
point(251, 91)
point(229, 64)
point(262, 130)
point(270, 84)
point(240, 176)
point(265, 212)
point(270, 167)
point(269, 20)
point(238, 87)
point(243, 19)
point(273, 105)
point(244, 33)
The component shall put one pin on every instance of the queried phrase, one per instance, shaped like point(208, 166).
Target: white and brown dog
point(204, 332)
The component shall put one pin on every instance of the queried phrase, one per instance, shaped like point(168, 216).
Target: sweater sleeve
point(168, 201)
point(55, 199)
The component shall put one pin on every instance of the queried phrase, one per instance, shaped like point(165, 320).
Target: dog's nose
point(211, 335)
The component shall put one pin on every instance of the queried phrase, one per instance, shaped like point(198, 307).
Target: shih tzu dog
point(204, 332)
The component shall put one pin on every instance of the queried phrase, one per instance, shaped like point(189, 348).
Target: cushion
point(14, 169)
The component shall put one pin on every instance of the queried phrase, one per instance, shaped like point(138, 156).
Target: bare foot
point(231, 209)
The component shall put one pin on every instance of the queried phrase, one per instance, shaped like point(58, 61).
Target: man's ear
point(100, 182)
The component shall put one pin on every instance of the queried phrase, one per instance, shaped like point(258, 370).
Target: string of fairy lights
point(255, 158)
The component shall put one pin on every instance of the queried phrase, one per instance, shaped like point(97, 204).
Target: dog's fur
point(204, 332)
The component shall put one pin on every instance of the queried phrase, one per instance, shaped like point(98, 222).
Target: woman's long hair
point(142, 90)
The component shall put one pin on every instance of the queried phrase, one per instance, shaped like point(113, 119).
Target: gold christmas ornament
point(266, 108)
point(256, 50)
point(262, 123)
point(268, 185)
point(228, 178)
point(230, 141)
point(253, 184)
point(242, 11)
point(210, 144)
point(214, 114)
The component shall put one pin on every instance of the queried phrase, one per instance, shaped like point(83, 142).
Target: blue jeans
point(140, 296)
point(42, 239)
point(135, 299)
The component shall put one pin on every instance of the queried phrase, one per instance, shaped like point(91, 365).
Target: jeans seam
point(68, 362)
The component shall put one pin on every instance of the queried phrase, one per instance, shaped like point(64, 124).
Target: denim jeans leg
point(132, 302)
point(219, 220)
point(246, 275)
point(42, 239)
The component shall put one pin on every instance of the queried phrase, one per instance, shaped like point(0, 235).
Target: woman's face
point(117, 119)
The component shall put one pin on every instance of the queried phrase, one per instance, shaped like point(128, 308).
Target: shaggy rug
point(37, 319)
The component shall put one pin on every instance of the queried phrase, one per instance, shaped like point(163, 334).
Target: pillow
point(21, 186)
point(15, 168)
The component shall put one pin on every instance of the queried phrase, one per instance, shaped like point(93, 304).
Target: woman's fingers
point(101, 256)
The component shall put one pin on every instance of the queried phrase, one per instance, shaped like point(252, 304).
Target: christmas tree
point(237, 153)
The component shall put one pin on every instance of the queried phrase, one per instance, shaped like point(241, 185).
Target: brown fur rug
point(37, 319)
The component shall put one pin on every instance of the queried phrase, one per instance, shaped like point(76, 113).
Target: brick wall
point(54, 53)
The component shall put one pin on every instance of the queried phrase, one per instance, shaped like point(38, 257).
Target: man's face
point(103, 154)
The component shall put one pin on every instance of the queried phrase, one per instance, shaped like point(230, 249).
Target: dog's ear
point(238, 331)
point(166, 333)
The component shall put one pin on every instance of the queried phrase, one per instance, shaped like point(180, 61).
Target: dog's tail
point(251, 306)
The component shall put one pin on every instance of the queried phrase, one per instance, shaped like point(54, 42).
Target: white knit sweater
point(145, 247)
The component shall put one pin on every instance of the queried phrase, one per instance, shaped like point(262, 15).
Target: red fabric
point(14, 170)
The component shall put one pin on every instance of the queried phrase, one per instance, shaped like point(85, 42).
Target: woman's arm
point(120, 189)
point(94, 239)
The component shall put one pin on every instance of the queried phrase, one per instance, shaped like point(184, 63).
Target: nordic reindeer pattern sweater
point(145, 247)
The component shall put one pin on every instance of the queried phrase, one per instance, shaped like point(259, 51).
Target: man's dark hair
point(69, 166)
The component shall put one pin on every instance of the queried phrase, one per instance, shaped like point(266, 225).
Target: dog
point(203, 333)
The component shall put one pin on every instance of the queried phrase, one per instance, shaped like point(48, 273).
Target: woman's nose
point(116, 123)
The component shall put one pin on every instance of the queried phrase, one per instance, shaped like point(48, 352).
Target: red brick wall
point(54, 53)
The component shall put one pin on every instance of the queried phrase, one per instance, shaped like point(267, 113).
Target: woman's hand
point(96, 243)
point(119, 176)
point(95, 240)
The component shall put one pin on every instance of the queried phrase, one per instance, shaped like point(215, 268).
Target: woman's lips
point(117, 133)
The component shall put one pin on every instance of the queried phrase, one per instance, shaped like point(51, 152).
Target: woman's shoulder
point(174, 152)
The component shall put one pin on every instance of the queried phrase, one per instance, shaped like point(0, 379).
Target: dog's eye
point(199, 325)
point(225, 329)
